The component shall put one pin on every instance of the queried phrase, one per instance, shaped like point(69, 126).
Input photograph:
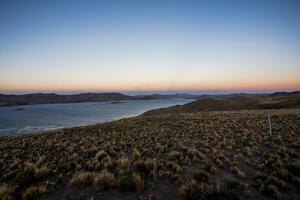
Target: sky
point(149, 46)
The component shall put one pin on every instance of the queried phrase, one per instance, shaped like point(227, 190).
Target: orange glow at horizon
point(278, 84)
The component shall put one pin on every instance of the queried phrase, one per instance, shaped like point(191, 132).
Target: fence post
point(270, 126)
point(154, 176)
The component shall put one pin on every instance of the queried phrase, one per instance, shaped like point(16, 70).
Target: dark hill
point(242, 102)
point(48, 98)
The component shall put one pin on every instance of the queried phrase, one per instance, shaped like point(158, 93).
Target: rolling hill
point(241, 102)
point(48, 98)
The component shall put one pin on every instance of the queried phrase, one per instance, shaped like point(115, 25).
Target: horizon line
point(149, 92)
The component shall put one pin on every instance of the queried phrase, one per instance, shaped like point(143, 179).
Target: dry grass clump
point(136, 155)
point(238, 172)
point(123, 163)
point(34, 192)
point(238, 187)
point(42, 172)
point(28, 174)
point(159, 148)
point(100, 155)
point(173, 167)
point(273, 190)
point(198, 191)
point(29, 167)
point(216, 149)
point(138, 182)
point(208, 167)
point(143, 166)
point(82, 178)
point(104, 180)
point(194, 154)
point(132, 182)
point(278, 182)
point(6, 192)
point(295, 167)
point(151, 197)
point(201, 176)
point(125, 184)
point(283, 174)
point(174, 155)
point(34, 169)
point(108, 163)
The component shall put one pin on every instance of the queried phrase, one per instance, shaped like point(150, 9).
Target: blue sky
point(77, 46)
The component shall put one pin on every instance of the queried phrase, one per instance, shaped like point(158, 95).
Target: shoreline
point(88, 113)
point(221, 112)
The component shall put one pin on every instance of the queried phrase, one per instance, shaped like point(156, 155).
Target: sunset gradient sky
point(139, 46)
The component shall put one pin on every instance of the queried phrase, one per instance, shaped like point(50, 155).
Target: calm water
point(34, 118)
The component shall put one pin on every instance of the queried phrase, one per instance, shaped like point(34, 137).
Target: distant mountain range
point(277, 100)
point(50, 98)
point(168, 96)
point(214, 100)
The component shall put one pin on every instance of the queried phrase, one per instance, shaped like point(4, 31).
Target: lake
point(16, 120)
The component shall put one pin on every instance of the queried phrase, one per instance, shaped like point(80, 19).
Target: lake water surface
point(34, 118)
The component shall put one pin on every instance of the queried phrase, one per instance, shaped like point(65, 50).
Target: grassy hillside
point(208, 155)
point(241, 102)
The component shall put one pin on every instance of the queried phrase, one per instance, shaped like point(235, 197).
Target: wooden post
point(270, 126)
point(154, 176)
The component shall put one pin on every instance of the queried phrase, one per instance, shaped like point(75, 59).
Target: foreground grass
point(208, 155)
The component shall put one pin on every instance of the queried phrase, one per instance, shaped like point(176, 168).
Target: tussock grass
point(202, 176)
point(143, 166)
point(136, 155)
point(6, 192)
point(238, 172)
point(34, 192)
point(105, 180)
point(82, 178)
point(42, 172)
point(100, 155)
point(197, 191)
point(173, 167)
point(273, 190)
point(138, 182)
point(123, 163)
point(209, 155)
